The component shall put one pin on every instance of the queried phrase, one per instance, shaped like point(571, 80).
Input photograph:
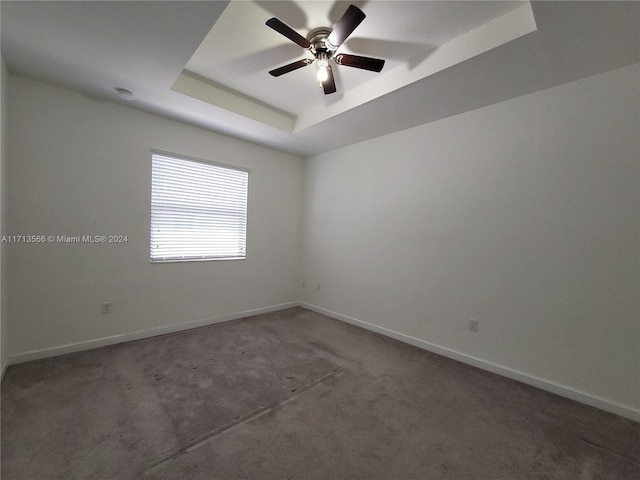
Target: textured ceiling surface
point(207, 62)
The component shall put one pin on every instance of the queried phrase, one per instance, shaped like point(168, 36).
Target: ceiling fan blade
point(329, 85)
point(347, 24)
point(365, 63)
point(288, 32)
point(291, 67)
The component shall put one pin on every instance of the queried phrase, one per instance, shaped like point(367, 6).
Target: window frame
point(204, 258)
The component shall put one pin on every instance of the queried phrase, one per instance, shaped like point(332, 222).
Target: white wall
point(523, 215)
point(4, 117)
point(81, 166)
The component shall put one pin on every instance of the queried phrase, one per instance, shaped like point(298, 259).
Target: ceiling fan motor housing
point(318, 39)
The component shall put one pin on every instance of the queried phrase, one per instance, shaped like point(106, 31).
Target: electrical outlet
point(105, 308)
point(473, 325)
point(318, 287)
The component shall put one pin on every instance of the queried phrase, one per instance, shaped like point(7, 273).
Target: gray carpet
point(295, 395)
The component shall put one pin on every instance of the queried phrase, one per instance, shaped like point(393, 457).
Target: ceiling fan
point(323, 43)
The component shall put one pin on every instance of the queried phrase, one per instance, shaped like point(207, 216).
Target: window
point(198, 210)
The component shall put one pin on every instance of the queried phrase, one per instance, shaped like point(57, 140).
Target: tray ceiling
point(206, 62)
point(230, 67)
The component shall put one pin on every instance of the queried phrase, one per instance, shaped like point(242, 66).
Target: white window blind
point(198, 210)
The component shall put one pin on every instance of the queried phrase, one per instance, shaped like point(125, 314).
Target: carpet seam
point(608, 450)
point(206, 437)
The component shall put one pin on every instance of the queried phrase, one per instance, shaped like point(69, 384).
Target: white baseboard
point(542, 383)
point(127, 337)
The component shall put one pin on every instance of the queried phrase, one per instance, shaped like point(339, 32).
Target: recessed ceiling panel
point(443, 59)
point(416, 39)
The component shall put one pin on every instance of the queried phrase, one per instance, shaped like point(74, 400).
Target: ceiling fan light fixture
point(322, 62)
point(322, 74)
point(323, 43)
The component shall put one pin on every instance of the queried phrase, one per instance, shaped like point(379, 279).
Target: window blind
point(198, 210)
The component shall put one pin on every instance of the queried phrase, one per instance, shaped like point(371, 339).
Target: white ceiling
point(239, 50)
point(207, 63)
